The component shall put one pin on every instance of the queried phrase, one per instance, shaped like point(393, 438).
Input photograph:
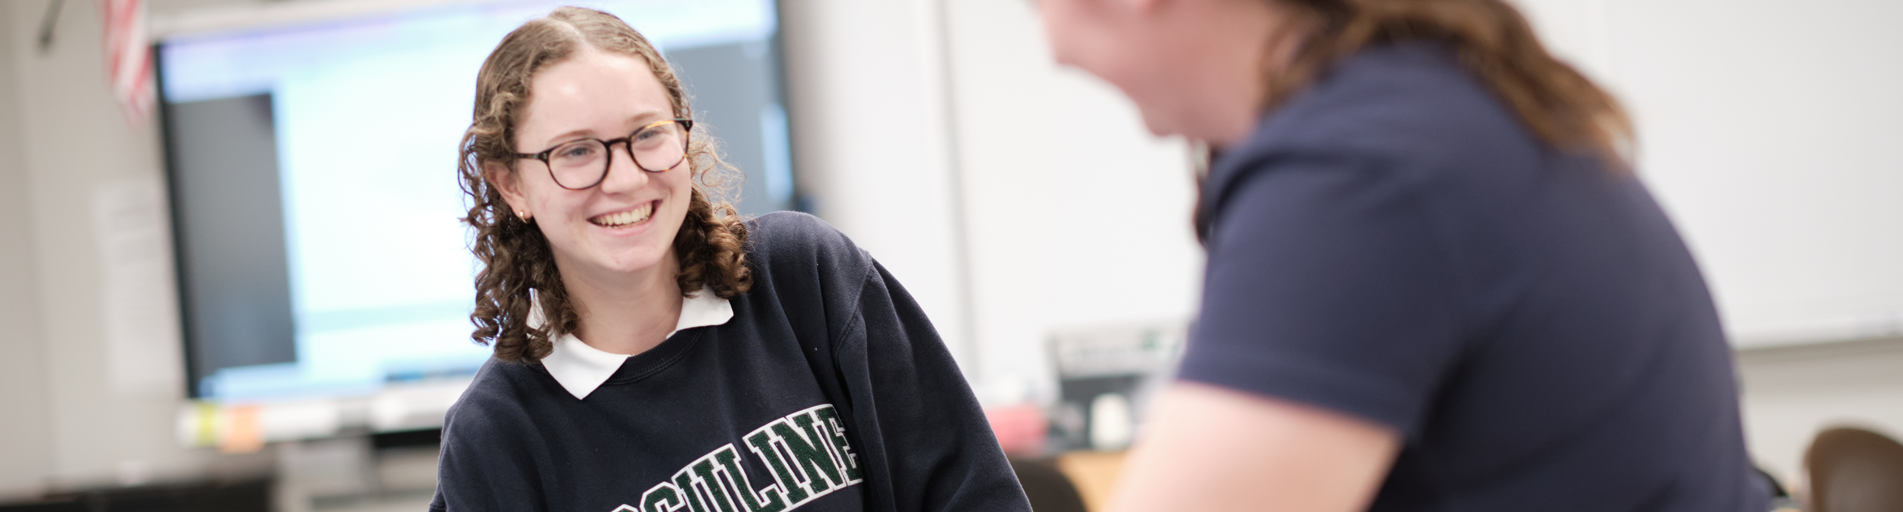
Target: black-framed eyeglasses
point(655, 147)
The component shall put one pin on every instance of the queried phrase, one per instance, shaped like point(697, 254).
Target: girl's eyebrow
point(563, 138)
point(637, 120)
point(647, 117)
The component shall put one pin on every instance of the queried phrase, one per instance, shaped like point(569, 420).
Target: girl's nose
point(623, 174)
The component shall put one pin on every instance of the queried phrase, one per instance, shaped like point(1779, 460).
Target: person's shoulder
point(495, 438)
point(790, 228)
point(1410, 101)
point(1401, 115)
point(806, 267)
point(798, 240)
point(497, 399)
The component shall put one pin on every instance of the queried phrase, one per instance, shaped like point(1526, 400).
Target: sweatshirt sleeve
point(481, 468)
point(917, 429)
point(918, 413)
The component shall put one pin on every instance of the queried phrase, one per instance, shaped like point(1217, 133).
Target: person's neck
point(626, 313)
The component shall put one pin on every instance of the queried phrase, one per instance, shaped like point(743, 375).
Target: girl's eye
point(576, 151)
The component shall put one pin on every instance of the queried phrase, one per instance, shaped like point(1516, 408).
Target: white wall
point(1076, 214)
point(75, 142)
point(924, 126)
point(864, 87)
point(24, 426)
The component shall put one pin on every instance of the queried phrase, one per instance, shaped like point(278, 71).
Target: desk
point(1094, 473)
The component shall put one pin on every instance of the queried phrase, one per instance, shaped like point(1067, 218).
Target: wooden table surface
point(1094, 473)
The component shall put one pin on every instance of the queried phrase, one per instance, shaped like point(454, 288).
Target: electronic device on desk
point(1106, 376)
point(324, 274)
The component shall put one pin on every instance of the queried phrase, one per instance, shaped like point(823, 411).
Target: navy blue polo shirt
point(1394, 244)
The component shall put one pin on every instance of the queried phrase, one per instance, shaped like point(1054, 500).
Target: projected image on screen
point(314, 182)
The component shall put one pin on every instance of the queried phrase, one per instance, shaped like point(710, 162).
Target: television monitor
point(315, 199)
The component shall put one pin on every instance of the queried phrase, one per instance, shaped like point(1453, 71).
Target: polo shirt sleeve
point(1326, 285)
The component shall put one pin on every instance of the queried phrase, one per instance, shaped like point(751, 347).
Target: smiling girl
point(653, 352)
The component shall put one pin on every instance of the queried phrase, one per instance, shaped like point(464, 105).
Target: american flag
point(129, 58)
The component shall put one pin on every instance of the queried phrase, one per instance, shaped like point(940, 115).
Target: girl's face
point(627, 223)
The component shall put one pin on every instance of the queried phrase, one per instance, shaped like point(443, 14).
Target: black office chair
point(1047, 486)
point(1854, 470)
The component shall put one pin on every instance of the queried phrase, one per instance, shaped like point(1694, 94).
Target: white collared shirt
point(580, 368)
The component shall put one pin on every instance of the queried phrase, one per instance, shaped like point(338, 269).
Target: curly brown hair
point(518, 273)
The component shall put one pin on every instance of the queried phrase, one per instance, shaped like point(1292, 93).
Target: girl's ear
point(505, 181)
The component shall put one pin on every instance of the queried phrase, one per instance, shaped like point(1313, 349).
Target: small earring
point(523, 214)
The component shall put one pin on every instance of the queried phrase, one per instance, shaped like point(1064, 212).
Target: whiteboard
point(1772, 133)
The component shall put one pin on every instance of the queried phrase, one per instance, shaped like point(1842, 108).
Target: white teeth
point(625, 218)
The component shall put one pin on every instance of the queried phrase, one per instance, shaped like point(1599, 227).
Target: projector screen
point(316, 201)
point(1770, 132)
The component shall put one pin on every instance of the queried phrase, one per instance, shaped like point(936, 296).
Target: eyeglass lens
point(584, 163)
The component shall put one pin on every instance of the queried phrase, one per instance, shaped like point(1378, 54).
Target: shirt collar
point(580, 368)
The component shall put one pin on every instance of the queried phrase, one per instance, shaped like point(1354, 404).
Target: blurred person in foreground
point(1434, 282)
point(655, 353)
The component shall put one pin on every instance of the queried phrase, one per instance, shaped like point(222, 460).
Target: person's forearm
point(1212, 449)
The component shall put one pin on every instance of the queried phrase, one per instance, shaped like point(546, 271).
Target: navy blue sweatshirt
point(733, 418)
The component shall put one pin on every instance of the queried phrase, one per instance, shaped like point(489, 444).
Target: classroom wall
point(1011, 197)
point(871, 147)
point(23, 425)
point(1076, 215)
point(72, 143)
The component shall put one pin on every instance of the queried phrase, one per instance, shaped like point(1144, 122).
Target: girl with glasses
point(653, 351)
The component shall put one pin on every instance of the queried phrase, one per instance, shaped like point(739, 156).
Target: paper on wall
point(139, 299)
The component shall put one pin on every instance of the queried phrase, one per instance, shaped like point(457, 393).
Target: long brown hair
point(1491, 39)
point(518, 272)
